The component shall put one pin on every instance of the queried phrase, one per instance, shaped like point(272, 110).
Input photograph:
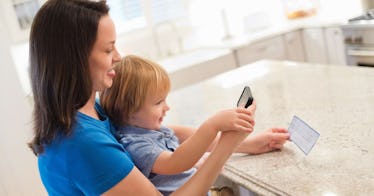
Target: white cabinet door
point(272, 48)
point(294, 46)
point(335, 46)
point(314, 42)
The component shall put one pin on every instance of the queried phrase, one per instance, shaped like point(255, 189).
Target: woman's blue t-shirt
point(88, 162)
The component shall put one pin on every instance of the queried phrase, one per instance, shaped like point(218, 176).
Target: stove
point(359, 39)
point(367, 16)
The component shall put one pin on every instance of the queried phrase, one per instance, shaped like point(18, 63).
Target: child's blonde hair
point(136, 78)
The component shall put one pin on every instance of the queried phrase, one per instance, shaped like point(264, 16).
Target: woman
point(72, 50)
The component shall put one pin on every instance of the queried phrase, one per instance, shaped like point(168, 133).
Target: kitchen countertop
point(337, 101)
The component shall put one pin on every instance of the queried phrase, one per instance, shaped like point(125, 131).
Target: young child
point(136, 103)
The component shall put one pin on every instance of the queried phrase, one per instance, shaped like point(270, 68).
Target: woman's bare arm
point(269, 140)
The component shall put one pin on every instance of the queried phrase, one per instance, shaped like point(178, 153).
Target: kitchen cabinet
point(271, 48)
point(314, 43)
point(294, 46)
point(324, 45)
point(335, 46)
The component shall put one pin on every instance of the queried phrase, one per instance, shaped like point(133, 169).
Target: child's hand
point(238, 119)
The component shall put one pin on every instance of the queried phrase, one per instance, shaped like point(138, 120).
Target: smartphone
point(246, 98)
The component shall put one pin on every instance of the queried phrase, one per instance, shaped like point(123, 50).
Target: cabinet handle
point(348, 40)
point(358, 40)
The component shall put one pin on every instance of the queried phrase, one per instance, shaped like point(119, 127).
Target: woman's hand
point(271, 139)
point(238, 119)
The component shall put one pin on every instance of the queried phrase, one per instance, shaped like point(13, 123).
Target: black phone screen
point(246, 98)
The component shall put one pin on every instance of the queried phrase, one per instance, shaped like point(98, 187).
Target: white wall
point(18, 166)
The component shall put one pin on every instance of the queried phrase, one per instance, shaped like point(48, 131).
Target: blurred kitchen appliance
point(359, 39)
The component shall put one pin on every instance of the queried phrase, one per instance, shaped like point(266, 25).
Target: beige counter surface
point(337, 101)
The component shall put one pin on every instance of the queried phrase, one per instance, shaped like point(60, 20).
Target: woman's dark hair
point(61, 39)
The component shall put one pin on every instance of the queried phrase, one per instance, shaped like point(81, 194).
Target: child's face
point(151, 114)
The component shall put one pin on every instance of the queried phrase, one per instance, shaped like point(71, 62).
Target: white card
point(302, 134)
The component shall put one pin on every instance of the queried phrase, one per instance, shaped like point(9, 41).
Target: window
point(25, 11)
point(134, 14)
point(165, 10)
point(127, 14)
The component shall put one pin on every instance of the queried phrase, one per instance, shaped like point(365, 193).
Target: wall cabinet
point(314, 43)
point(335, 46)
point(294, 46)
point(272, 48)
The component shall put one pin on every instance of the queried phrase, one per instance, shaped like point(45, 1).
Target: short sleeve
point(144, 152)
point(97, 162)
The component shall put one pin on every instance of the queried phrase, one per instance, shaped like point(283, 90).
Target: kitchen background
point(186, 36)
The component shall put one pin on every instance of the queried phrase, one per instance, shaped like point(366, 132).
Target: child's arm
point(190, 151)
point(184, 132)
